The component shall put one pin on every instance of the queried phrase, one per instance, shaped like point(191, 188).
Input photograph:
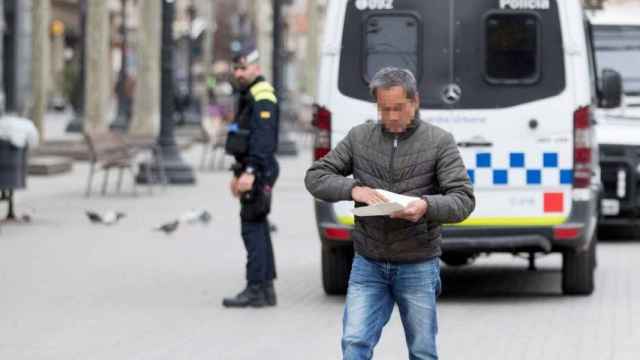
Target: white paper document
point(396, 202)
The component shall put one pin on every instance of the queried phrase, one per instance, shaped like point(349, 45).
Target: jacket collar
point(259, 79)
point(413, 126)
point(245, 91)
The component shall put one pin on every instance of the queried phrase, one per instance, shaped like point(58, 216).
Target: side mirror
point(610, 89)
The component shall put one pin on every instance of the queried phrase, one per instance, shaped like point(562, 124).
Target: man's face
point(245, 73)
point(395, 110)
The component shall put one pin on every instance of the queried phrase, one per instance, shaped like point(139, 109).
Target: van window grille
point(512, 48)
point(382, 45)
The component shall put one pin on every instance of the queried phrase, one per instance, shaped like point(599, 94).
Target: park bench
point(110, 150)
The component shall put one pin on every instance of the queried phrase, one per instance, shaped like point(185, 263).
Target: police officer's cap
point(247, 55)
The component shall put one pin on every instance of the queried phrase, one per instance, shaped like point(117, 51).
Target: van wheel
point(577, 271)
point(594, 252)
point(456, 259)
point(336, 267)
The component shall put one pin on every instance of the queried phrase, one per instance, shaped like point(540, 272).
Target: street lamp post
point(190, 111)
point(192, 15)
point(2, 30)
point(277, 48)
point(123, 117)
point(176, 169)
point(78, 95)
point(286, 146)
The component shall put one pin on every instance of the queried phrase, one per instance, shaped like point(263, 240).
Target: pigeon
point(169, 227)
point(26, 218)
point(94, 217)
point(205, 217)
point(191, 217)
point(108, 218)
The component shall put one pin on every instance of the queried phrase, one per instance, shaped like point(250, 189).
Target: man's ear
point(258, 69)
point(416, 102)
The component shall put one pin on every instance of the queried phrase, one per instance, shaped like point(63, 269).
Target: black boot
point(270, 293)
point(252, 296)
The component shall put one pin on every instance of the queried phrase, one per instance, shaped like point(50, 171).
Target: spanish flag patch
point(265, 115)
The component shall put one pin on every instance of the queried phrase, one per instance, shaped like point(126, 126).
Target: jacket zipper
point(393, 155)
point(392, 178)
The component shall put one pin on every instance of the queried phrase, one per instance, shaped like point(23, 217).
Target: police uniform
point(252, 140)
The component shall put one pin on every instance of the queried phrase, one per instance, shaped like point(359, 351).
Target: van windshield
point(618, 48)
point(465, 54)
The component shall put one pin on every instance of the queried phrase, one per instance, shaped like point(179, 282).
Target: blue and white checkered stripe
point(519, 168)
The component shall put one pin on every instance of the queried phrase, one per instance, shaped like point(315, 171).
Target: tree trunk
point(146, 111)
point(97, 64)
point(313, 47)
point(40, 64)
point(208, 12)
point(262, 13)
point(21, 52)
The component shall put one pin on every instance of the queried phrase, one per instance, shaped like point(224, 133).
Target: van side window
point(618, 47)
point(390, 40)
point(512, 48)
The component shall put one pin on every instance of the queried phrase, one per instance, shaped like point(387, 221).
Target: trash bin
point(16, 136)
point(13, 166)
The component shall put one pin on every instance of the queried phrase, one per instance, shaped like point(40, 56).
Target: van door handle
point(475, 144)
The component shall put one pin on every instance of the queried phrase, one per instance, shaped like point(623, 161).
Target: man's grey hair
point(389, 77)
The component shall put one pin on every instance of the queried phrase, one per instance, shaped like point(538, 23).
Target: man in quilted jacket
point(397, 256)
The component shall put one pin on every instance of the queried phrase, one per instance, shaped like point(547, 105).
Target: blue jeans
point(374, 288)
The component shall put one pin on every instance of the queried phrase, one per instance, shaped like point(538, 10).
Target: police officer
point(252, 139)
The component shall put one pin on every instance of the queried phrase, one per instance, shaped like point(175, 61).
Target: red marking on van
point(553, 202)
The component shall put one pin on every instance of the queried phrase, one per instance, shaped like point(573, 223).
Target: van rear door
point(492, 72)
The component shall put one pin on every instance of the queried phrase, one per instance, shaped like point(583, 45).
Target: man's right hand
point(366, 195)
point(234, 187)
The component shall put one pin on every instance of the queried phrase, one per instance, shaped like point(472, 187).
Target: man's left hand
point(245, 182)
point(413, 212)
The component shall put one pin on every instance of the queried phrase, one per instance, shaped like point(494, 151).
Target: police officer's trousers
point(260, 260)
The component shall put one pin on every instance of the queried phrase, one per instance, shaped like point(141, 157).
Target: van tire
point(578, 270)
point(594, 252)
point(336, 267)
point(456, 259)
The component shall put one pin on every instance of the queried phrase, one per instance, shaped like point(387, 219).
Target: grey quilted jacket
point(424, 161)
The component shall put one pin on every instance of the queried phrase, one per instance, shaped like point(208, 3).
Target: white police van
point(514, 81)
point(616, 34)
